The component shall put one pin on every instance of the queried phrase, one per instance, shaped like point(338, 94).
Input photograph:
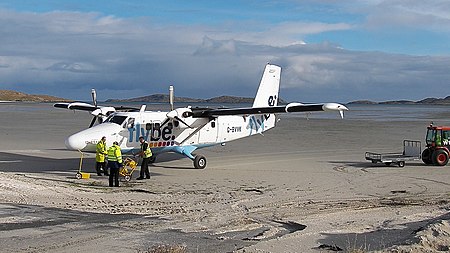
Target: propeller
point(100, 113)
point(94, 101)
point(176, 113)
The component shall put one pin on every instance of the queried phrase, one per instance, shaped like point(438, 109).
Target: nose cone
point(74, 142)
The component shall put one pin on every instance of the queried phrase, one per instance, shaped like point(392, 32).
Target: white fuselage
point(168, 136)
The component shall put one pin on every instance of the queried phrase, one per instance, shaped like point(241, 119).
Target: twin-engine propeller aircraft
point(184, 130)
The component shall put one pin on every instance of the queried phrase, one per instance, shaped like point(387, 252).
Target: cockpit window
point(116, 119)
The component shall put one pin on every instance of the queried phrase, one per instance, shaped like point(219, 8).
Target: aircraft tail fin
point(269, 87)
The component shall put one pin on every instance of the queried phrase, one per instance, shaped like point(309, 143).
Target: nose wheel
point(199, 162)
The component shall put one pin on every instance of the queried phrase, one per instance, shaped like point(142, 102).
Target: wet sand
point(302, 187)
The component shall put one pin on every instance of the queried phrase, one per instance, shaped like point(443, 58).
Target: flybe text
point(155, 134)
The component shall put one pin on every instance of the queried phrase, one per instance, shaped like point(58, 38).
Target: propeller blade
point(171, 97)
point(165, 122)
point(92, 121)
point(184, 123)
point(94, 97)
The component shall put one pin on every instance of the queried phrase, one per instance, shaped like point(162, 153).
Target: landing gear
point(199, 162)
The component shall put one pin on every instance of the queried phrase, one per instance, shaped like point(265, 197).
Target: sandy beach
point(302, 187)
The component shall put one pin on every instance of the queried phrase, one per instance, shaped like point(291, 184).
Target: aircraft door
point(208, 134)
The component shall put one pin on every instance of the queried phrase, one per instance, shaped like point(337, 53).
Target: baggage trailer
point(412, 151)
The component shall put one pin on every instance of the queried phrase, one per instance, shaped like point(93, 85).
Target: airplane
point(184, 130)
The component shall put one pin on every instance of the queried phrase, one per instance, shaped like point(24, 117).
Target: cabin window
point(148, 126)
point(156, 126)
point(213, 124)
point(170, 125)
point(176, 123)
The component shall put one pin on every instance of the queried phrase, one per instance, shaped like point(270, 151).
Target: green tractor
point(438, 145)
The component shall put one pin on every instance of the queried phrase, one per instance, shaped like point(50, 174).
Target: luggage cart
point(80, 174)
point(412, 151)
point(129, 166)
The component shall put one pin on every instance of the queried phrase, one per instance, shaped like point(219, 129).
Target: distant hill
point(157, 98)
point(426, 101)
point(10, 95)
point(163, 98)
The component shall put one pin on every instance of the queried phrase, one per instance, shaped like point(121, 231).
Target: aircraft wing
point(291, 107)
point(88, 107)
point(76, 106)
point(99, 112)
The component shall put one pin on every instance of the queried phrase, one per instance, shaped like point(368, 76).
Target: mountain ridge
point(164, 98)
point(425, 101)
point(16, 96)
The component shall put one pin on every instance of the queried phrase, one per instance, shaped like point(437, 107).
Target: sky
point(329, 51)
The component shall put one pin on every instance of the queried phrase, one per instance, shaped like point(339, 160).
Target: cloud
point(133, 57)
point(427, 15)
point(72, 67)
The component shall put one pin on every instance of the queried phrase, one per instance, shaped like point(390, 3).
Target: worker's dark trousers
point(101, 168)
point(113, 173)
point(144, 168)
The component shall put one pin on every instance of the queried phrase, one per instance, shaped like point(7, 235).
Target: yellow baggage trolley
point(80, 174)
point(129, 166)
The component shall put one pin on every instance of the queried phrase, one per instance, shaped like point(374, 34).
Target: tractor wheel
point(199, 162)
point(440, 157)
point(426, 156)
point(401, 164)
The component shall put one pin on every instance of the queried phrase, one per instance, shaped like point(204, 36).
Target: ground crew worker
point(100, 165)
point(114, 164)
point(146, 154)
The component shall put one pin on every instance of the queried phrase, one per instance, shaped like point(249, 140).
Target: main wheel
point(199, 162)
point(78, 175)
point(426, 156)
point(401, 164)
point(440, 157)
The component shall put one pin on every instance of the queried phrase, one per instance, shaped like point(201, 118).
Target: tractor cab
point(438, 145)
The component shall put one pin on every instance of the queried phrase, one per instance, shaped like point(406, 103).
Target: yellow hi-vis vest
point(147, 152)
point(101, 152)
point(114, 154)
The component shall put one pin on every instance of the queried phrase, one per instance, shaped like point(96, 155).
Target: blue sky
point(329, 50)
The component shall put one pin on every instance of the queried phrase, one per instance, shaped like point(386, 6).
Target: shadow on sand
point(381, 238)
point(370, 165)
point(10, 162)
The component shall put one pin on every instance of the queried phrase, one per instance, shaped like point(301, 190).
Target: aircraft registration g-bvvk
point(184, 130)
